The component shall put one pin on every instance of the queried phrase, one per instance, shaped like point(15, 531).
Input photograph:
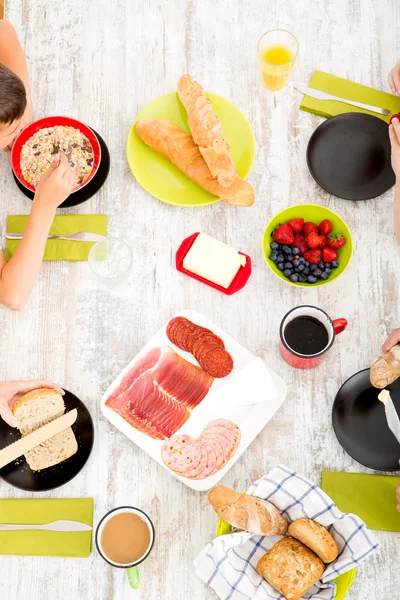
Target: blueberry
point(306, 271)
point(317, 272)
point(273, 257)
point(288, 265)
point(302, 278)
point(280, 258)
point(274, 246)
point(302, 259)
point(287, 250)
point(287, 272)
point(328, 271)
point(307, 263)
point(294, 277)
point(296, 263)
point(321, 264)
point(311, 279)
point(296, 250)
point(312, 268)
point(301, 268)
point(324, 275)
point(335, 264)
point(327, 265)
point(280, 266)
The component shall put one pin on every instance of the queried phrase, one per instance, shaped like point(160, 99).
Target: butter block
point(213, 260)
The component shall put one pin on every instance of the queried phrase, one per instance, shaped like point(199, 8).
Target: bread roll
point(249, 513)
point(386, 368)
point(315, 536)
point(290, 568)
point(207, 131)
point(38, 408)
point(179, 148)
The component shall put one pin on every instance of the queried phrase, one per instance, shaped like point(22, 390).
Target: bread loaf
point(38, 408)
point(290, 568)
point(207, 130)
point(179, 148)
point(315, 536)
point(386, 368)
point(249, 513)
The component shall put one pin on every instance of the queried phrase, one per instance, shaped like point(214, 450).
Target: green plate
point(316, 214)
point(343, 583)
point(165, 181)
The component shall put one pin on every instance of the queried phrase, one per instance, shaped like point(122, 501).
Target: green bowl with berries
point(314, 243)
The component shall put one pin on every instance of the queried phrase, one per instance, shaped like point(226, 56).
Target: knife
point(318, 95)
point(60, 525)
point(26, 443)
point(391, 414)
point(81, 236)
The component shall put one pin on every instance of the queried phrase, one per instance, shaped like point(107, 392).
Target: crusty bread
point(36, 409)
point(249, 513)
point(207, 130)
point(179, 148)
point(291, 568)
point(315, 536)
point(386, 368)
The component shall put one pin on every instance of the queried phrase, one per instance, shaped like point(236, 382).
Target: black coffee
point(306, 335)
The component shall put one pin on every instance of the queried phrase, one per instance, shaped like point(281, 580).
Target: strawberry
point(336, 241)
point(309, 228)
point(300, 243)
point(283, 234)
point(329, 255)
point(314, 240)
point(296, 225)
point(325, 227)
point(325, 241)
point(313, 256)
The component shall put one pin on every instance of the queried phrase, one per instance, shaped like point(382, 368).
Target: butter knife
point(53, 526)
point(318, 95)
point(391, 413)
point(81, 236)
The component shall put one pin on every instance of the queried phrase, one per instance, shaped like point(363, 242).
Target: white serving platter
point(249, 396)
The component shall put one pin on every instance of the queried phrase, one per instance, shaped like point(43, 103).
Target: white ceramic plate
point(223, 400)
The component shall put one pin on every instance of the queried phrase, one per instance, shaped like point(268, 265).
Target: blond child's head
point(12, 105)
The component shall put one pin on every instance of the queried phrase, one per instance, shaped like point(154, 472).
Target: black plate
point(91, 188)
point(360, 424)
point(21, 476)
point(349, 156)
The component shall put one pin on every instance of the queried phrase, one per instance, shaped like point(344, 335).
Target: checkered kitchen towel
point(228, 563)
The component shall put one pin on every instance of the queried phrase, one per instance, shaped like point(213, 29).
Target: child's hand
point(55, 184)
point(11, 391)
point(394, 78)
point(394, 133)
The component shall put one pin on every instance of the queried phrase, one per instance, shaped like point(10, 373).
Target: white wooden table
point(102, 62)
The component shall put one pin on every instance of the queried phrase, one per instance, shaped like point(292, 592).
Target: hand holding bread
point(386, 368)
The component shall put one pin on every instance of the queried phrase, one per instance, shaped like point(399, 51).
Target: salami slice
point(211, 462)
point(217, 362)
point(181, 453)
point(172, 327)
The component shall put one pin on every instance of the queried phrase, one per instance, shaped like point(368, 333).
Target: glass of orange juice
point(277, 52)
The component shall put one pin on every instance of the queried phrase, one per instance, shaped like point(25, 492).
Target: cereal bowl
point(85, 159)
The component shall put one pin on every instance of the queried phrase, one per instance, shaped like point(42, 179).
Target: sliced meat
point(211, 460)
point(197, 471)
point(181, 454)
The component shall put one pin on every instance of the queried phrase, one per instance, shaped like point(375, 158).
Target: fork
point(81, 236)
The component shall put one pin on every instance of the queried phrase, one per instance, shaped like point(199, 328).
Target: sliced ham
point(157, 392)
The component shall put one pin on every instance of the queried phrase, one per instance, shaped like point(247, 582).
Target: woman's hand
point(11, 391)
point(55, 184)
point(394, 134)
point(394, 78)
point(398, 499)
point(392, 340)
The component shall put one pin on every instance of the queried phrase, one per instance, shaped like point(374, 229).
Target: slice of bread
point(36, 409)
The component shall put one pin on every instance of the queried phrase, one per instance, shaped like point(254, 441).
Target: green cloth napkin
point(349, 90)
point(46, 543)
point(371, 497)
point(62, 225)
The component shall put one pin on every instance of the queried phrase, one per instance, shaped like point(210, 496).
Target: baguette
point(316, 537)
point(179, 148)
point(207, 130)
point(249, 513)
point(386, 368)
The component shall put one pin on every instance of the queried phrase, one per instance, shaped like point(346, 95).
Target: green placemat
point(62, 225)
point(371, 497)
point(46, 543)
point(348, 90)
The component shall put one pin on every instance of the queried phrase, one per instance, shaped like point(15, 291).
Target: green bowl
point(316, 214)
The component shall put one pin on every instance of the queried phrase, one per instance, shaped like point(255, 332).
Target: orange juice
point(277, 59)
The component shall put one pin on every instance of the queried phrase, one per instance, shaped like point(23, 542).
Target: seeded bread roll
point(249, 513)
point(386, 368)
point(291, 568)
point(315, 536)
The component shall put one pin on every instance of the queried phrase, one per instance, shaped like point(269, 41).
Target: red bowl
point(51, 122)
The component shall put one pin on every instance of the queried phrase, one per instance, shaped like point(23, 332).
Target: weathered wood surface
point(102, 62)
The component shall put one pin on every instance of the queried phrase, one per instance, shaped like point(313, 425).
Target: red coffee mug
point(308, 361)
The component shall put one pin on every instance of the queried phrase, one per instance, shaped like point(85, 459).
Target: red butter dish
point(237, 284)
